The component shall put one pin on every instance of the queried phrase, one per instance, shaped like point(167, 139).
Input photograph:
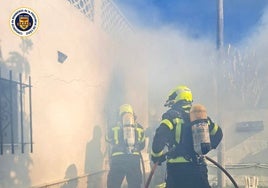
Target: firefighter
point(127, 140)
point(185, 167)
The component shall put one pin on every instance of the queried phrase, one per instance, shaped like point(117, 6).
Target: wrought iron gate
point(15, 121)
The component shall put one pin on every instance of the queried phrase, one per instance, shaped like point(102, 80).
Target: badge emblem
point(24, 22)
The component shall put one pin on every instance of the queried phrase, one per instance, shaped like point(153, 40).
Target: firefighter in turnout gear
point(127, 139)
point(183, 125)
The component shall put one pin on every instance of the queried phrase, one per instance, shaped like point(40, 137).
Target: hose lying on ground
point(208, 158)
point(220, 167)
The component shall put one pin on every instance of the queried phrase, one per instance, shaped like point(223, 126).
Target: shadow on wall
point(71, 172)
point(94, 159)
point(14, 173)
point(115, 95)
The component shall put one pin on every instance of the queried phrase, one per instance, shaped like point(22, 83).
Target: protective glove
point(176, 151)
point(205, 148)
point(159, 159)
point(137, 146)
point(135, 149)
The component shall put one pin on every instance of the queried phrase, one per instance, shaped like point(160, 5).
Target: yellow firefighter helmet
point(179, 93)
point(125, 108)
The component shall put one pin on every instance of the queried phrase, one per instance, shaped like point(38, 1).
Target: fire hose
point(143, 167)
point(208, 158)
point(225, 172)
point(151, 175)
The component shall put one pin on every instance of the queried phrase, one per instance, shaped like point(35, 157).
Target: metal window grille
point(112, 19)
point(15, 122)
point(85, 6)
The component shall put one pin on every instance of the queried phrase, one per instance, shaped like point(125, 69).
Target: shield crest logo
point(24, 22)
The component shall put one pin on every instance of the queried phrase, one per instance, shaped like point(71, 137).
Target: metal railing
point(13, 121)
point(94, 180)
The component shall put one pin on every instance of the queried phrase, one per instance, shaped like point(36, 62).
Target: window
point(15, 120)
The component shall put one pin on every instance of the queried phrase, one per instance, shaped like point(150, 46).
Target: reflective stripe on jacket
point(175, 131)
point(116, 139)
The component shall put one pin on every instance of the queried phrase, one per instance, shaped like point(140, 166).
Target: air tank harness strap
point(177, 154)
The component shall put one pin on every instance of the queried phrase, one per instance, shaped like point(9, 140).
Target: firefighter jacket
point(175, 132)
point(116, 138)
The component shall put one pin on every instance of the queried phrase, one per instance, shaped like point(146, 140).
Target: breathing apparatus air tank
point(200, 129)
point(129, 131)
